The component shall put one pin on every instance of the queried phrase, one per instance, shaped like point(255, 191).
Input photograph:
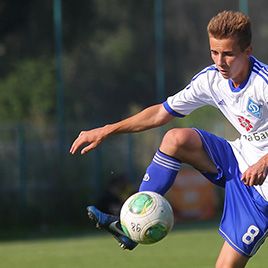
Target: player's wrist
point(109, 129)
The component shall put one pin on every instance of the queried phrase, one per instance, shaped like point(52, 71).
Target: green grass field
point(196, 246)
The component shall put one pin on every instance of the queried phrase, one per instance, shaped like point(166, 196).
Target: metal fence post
point(59, 76)
point(22, 164)
point(159, 50)
point(243, 6)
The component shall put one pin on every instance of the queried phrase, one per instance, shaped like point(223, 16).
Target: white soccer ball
point(146, 217)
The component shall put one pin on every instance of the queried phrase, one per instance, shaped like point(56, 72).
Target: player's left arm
point(257, 173)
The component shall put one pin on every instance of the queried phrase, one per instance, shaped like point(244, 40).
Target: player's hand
point(89, 140)
point(255, 174)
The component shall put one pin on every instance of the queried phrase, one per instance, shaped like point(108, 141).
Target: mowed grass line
point(191, 248)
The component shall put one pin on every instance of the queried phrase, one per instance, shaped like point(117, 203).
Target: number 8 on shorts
point(250, 235)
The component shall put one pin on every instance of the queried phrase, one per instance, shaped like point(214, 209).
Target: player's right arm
point(151, 117)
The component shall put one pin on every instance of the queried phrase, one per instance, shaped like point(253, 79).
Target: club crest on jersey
point(244, 122)
point(254, 108)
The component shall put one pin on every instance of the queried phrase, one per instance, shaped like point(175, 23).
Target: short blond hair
point(228, 24)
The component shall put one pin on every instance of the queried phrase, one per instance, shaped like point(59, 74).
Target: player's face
point(230, 60)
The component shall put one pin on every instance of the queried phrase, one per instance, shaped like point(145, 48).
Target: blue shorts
point(244, 223)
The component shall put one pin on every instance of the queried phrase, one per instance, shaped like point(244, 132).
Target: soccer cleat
point(111, 224)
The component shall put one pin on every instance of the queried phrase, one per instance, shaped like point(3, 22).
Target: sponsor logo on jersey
point(254, 108)
point(257, 136)
point(244, 122)
point(146, 177)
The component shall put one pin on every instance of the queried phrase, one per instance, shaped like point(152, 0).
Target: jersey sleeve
point(195, 95)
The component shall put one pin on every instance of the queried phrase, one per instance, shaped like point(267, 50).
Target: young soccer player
point(237, 84)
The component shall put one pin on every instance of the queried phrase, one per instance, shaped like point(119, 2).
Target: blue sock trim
point(160, 174)
point(166, 161)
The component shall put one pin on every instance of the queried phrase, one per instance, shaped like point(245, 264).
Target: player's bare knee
point(179, 138)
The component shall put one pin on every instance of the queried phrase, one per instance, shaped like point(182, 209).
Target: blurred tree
point(27, 94)
point(109, 72)
point(109, 49)
point(113, 66)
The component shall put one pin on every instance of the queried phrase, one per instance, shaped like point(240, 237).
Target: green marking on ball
point(125, 230)
point(155, 233)
point(140, 204)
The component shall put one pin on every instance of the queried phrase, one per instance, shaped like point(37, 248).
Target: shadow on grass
point(66, 232)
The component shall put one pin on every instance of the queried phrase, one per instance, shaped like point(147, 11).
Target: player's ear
point(249, 50)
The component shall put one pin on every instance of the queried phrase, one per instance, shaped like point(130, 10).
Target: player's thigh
point(186, 145)
point(230, 258)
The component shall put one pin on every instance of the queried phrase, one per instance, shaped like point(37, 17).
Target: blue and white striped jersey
point(246, 107)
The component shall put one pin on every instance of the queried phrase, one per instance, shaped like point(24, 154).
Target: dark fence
point(41, 184)
point(109, 66)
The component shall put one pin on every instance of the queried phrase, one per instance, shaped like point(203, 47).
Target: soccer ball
point(146, 217)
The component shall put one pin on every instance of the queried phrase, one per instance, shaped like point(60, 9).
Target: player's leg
point(230, 258)
point(179, 145)
point(111, 224)
point(244, 222)
point(186, 145)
